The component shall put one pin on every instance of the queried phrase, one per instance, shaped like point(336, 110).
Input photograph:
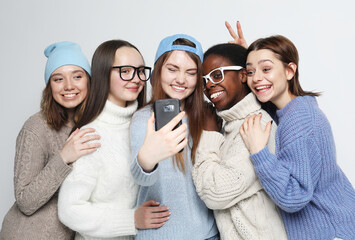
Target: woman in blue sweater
point(317, 201)
point(163, 173)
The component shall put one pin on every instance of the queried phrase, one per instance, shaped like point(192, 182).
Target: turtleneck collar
point(242, 109)
point(116, 115)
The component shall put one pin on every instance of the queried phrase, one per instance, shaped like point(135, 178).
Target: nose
point(209, 85)
point(68, 84)
point(135, 78)
point(257, 76)
point(180, 78)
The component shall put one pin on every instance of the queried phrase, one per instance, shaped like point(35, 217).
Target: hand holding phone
point(159, 145)
point(164, 111)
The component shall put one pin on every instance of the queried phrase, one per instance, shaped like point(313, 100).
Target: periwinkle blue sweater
point(190, 218)
point(317, 201)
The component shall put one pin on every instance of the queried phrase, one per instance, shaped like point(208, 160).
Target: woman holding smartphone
point(163, 173)
point(98, 197)
point(43, 150)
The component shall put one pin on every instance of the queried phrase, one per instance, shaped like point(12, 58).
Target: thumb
point(150, 203)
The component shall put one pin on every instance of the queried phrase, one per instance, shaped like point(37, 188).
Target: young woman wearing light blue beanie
point(45, 148)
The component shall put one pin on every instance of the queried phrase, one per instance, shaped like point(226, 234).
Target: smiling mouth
point(178, 88)
point(262, 89)
point(215, 95)
point(70, 95)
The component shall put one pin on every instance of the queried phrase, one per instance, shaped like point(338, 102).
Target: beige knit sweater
point(226, 181)
point(39, 171)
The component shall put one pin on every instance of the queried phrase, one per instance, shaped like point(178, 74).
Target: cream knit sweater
point(98, 197)
point(226, 181)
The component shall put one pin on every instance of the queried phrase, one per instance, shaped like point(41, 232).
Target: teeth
point(262, 87)
point(178, 88)
point(214, 95)
point(69, 95)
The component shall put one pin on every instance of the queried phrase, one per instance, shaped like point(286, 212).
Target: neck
point(70, 122)
point(281, 103)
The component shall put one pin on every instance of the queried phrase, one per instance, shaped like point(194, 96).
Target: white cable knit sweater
point(98, 197)
point(226, 181)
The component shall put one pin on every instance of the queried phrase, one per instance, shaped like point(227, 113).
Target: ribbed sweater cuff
point(143, 178)
point(263, 161)
point(124, 225)
point(61, 168)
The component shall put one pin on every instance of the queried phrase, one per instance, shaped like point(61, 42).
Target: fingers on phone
point(175, 121)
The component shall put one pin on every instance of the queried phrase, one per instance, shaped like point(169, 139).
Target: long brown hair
point(101, 68)
point(55, 114)
point(194, 105)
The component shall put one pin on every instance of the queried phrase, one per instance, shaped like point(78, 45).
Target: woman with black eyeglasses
point(98, 198)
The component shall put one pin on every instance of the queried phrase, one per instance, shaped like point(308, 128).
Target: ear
point(243, 75)
point(291, 70)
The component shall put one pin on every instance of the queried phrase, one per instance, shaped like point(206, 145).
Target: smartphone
point(164, 111)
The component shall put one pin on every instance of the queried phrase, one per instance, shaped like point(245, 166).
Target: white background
point(323, 32)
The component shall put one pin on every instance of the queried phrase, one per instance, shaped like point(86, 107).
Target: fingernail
point(272, 121)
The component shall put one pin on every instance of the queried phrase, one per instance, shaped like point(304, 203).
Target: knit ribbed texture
point(225, 179)
point(190, 218)
point(303, 178)
point(98, 197)
point(39, 171)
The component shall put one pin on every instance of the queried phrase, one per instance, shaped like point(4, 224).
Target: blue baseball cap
point(64, 53)
point(166, 45)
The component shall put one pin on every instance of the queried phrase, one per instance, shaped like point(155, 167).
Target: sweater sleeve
point(222, 184)
point(290, 176)
point(78, 212)
point(36, 179)
point(138, 130)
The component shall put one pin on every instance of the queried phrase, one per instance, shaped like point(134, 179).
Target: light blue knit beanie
point(64, 53)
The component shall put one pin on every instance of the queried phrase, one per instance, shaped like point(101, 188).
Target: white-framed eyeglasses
point(217, 75)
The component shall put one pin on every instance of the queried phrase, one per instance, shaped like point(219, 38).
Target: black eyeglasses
point(127, 73)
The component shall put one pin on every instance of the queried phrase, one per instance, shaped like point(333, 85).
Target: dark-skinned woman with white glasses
point(98, 198)
point(223, 172)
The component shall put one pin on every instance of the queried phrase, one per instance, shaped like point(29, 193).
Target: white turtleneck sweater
point(98, 198)
point(225, 179)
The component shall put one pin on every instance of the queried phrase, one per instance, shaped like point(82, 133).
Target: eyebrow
point(56, 74)
point(60, 74)
point(261, 61)
point(173, 65)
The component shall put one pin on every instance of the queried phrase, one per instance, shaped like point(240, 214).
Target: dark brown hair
point(194, 105)
point(101, 68)
point(55, 114)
